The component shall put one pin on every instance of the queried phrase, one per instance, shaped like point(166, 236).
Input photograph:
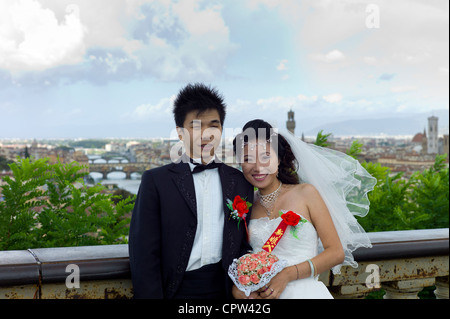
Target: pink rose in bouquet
point(252, 266)
point(254, 270)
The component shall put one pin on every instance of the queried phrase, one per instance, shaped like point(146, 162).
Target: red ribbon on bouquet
point(288, 219)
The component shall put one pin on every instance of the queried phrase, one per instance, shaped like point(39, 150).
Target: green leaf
point(322, 139)
point(48, 205)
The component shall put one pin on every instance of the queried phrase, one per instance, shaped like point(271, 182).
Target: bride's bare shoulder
point(304, 189)
point(301, 193)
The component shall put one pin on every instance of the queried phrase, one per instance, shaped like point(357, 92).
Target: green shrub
point(49, 205)
point(419, 202)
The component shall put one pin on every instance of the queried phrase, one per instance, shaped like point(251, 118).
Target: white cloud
point(206, 22)
point(308, 105)
point(146, 110)
point(304, 98)
point(330, 57)
point(403, 88)
point(333, 98)
point(31, 38)
point(112, 63)
point(276, 103)
point(282, 65)
point(370, 60)
point(182, 40)
point(401, 108)
point(149, 111)
point(412, 41)
point(443, 70)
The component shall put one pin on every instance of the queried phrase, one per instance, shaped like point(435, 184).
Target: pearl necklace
point(268, 201)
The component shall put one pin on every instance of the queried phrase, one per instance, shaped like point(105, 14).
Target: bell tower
point(290, 123)
point(432, 135)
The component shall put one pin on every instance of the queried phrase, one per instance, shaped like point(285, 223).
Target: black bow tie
point(201, 167)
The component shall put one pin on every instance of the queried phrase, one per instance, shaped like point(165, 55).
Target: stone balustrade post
point(406, 289)
point(441, 291)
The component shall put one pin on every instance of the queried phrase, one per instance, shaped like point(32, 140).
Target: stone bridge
point(127, 168)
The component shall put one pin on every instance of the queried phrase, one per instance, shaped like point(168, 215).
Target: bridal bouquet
point(253, 270)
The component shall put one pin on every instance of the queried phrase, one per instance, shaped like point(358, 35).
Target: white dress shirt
point(207, 248)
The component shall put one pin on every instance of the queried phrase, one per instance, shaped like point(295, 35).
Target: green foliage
point(49, 205)
point(4, 164)
point(398, 203)
point(387, 201)
point(322, 139)
point(91, 143)
point(431, 194)
point(22, 194)
point(355, 149)
point(420, 202)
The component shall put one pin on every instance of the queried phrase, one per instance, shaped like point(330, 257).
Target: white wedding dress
point(294, 251)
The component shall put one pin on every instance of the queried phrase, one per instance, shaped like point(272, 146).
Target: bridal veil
point(343, 184)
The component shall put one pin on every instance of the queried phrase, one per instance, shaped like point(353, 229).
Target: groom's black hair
point(197, 97)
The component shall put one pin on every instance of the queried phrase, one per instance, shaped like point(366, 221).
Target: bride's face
point(260, 164)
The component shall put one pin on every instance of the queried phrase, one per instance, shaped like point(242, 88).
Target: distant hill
point(401, 125)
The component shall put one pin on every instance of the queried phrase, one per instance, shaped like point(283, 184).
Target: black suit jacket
point(164, 223)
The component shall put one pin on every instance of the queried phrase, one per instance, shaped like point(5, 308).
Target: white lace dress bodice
point(294, 251)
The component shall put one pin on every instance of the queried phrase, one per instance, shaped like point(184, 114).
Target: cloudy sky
point(84, 68)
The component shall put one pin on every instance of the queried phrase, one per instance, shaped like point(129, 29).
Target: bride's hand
point(277, 285)
point(238, 294)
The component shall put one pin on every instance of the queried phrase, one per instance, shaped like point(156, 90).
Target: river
point(118, 178)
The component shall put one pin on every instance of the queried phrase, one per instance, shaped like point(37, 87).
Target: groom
point(182, 240)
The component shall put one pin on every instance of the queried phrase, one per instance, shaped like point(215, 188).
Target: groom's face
point(201, 133)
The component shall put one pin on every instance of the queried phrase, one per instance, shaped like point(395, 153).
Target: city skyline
point(76, 69)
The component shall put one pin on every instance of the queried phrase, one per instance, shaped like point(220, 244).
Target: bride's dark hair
point(286, 169)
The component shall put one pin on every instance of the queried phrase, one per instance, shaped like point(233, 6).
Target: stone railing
point(402, 263)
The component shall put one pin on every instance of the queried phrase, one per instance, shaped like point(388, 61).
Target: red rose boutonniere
point(239, 209)
point(292, 219)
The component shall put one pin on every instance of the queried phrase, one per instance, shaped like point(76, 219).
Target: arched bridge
point(127, 168)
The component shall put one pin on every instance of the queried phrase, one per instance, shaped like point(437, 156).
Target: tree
point(4, 164)
point(21, 195)
point(398, 203)
point(49, 205)
point(322, 139)
point(431, 195)
point(26, 153)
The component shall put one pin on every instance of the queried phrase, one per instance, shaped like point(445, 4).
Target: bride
point(325, 188)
